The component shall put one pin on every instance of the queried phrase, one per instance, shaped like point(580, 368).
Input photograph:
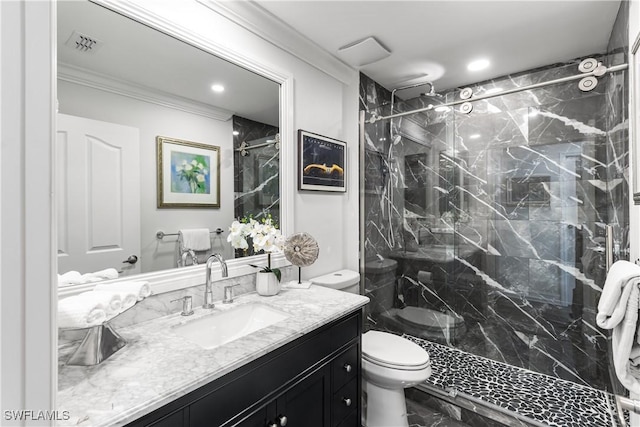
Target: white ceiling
point(432, 38)
point(439, 38)
point(138, 55)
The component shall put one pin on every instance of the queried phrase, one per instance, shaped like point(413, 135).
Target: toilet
point(390, 364)
point(446, 328)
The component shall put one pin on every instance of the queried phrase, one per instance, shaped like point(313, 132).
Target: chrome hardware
point(608, 245)
point(131, 260)
point(185, 254)
point(208, 292)
point(282, 420)
point(588, 65)
point(466, 93)
point(347, 401)
point(273, 425)
point(100, 342)
point(587, 84)
point(347, 367)
point(161, 234)
point(228, 293)
point(466, 108)
point(187, 301)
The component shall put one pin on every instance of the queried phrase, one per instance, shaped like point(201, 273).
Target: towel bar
point(161, 234)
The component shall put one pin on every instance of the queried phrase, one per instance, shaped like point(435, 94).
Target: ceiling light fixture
point(217, 88)
point(478, 65)
point(236, 133)
point(474, 136)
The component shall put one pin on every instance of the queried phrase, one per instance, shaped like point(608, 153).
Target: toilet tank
point(343, 280)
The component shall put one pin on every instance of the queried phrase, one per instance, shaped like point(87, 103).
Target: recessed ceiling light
point(442, 108)
point(477, 65)
point(217, 88)
point(493, 90)
point(236, 133)
point(474, 136)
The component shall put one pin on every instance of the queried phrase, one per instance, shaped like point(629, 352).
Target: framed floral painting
point(188, 174)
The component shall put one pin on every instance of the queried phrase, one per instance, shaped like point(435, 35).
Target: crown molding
point(84, 77)
point(270, 28)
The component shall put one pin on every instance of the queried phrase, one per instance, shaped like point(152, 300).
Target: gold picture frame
point(188, 174)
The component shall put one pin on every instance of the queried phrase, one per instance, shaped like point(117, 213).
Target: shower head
point(432, 92)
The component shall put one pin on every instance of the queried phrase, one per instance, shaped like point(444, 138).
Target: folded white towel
point(198, 239)
point(139, 288)
point(618, 310)
point(75, 278)
point(70, 277)
point(88, 309)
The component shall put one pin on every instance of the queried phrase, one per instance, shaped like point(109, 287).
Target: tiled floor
point(549, 401)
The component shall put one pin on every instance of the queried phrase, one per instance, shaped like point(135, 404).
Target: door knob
point(131, 260)
point(347, 367)
point(347, 401)
point(282, 420)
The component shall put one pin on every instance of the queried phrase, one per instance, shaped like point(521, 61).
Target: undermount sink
point(220, 328)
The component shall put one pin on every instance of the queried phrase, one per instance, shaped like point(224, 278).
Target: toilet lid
point(431, 319)
point(393, 351)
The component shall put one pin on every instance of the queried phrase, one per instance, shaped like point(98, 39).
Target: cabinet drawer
point(345, 331)
point(345, 401)
point(345, 367)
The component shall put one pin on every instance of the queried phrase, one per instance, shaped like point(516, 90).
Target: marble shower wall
point(256, 175)
point(493, 221)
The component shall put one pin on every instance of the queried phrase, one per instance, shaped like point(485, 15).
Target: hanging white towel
point(139, 288)
point(197, 239)
point(88, 309)
point(618, 310)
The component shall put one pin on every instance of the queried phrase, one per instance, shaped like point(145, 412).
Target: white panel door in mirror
point(98, 195)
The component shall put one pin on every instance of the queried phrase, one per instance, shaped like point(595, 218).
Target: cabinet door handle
point(273, 424)
point(282, 420)
point(347, 367)
point(347, 401)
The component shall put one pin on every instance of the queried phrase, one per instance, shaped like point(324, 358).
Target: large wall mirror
point(124, 91)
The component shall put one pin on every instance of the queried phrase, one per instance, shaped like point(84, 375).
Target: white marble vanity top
point(157, 366)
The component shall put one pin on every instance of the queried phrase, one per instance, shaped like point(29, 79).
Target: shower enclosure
point(484, 230)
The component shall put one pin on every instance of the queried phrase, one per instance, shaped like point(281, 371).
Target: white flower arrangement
point(264, 235)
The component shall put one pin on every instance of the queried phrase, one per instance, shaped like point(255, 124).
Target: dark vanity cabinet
point(313, 381)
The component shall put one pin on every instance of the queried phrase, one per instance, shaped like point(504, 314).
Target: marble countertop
point(158, 366)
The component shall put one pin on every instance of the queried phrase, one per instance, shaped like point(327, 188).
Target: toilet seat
point(428, 319)
point(392, 351)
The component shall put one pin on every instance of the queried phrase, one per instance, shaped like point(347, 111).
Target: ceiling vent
point(363, 52)
point(83, 43)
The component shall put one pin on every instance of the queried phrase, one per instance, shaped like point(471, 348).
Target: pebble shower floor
point(551, 401)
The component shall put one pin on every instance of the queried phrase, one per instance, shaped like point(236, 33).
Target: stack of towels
point(618, 310)
point(103, 303)
point(76, 278)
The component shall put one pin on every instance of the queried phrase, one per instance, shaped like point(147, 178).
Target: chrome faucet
point(192, 254)
point(208, 293)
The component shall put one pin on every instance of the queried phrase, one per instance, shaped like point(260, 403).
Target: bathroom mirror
point(121, 84)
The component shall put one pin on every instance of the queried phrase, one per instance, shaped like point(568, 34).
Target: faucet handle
point(228, 293)
point(187, 303)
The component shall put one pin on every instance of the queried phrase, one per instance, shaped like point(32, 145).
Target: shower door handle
point(608, 246)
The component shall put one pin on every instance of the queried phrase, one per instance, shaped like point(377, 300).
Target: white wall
point(155, 120)
point(322, 104)
point(27, 293)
